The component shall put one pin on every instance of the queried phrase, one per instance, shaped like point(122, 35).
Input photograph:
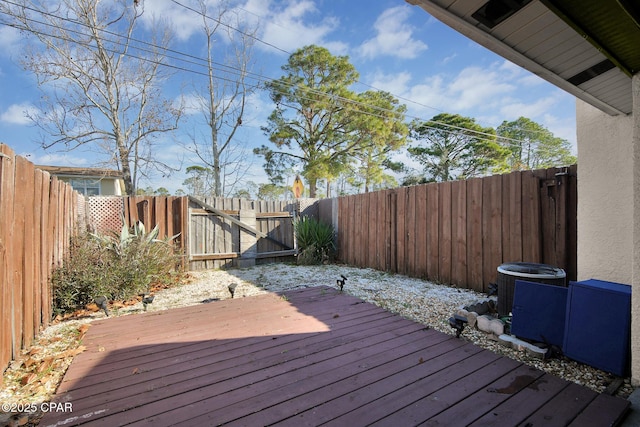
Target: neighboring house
point(590, 49)
point(89, 181)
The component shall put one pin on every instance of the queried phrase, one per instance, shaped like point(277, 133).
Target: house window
point(88, 187)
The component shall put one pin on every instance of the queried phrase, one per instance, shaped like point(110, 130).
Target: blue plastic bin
point(598, 325)
point(539, 312)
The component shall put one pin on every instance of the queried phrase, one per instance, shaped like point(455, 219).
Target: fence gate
point(211, 233)
point(238, 232)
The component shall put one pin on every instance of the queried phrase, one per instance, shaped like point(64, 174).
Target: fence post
point(144, 213)
point(248, 240)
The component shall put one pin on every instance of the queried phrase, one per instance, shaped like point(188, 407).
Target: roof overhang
point(590, 48)
point(75, 172)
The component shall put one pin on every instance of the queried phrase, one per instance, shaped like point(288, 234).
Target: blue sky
point(395, 47)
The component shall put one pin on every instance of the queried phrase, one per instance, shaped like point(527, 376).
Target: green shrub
point(79, 279)
point(118, 267)
point(315, 241)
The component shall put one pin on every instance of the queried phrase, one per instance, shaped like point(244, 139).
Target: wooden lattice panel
point(82, 212)
point(308, 207)
point(106, 213)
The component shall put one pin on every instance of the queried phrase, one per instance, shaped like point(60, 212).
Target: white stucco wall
point(110, 187)
point(635, 290)
point(605, 195)
point(609, 204)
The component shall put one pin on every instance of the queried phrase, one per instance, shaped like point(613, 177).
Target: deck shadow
point(307, 357)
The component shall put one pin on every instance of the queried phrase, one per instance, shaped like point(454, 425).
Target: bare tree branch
point(223, 99)
point(97, 91)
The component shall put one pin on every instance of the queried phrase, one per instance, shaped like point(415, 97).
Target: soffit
point(590, 48)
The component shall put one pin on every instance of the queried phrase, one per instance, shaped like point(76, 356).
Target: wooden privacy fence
point(459, 232)
point(38, 215)
point(238, 232)
point(211, 233)
point(455, 232)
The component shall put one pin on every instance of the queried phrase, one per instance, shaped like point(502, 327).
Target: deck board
point(309, 357)
point(522, 404)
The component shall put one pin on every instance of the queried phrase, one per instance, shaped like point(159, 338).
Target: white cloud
point(190, 101)
point(258, 107)
point(511, 68)
point(531, 80)
point(281, 26)
point(394, 36)
point(489, 94)
point(477, 87)
point(16, 114)
point(56, 159)
point(561, 128)
point(449, 58)
point(186, 19)
point(183, 21)
point(513, 110)
point(287, 28)
point(472, 91)
point(10, 40)
point(396, 83)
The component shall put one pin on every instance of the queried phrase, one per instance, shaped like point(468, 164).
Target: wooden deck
point(314, 356)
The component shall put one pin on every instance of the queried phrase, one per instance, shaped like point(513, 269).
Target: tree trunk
point(313, 183)
point(215, 152)
point(213, 115)
point(129, 186)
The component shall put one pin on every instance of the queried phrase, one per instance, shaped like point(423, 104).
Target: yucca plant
point(315, 241)
point(118, 243)
point(139, 258)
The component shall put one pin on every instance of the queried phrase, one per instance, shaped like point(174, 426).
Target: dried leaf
point(23, 420)
point(83, 330)
point(135, 371)
point(45, 364)
point(34, 350)
point(78, 350)
point(29, 362)
point(16, 364)
point(49, 379)
point(29, 378)
point(72, 352)
point(101, 348)
point(92, 306)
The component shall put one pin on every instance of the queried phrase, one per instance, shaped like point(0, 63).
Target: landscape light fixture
point(232, 289)
point(102, 302)
point(341, 282)
point(146, 299)
point(458, 323)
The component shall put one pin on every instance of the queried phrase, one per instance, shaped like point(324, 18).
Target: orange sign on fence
point(298, 187)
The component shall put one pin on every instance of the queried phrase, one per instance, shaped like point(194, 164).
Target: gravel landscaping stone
point(422, 301)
